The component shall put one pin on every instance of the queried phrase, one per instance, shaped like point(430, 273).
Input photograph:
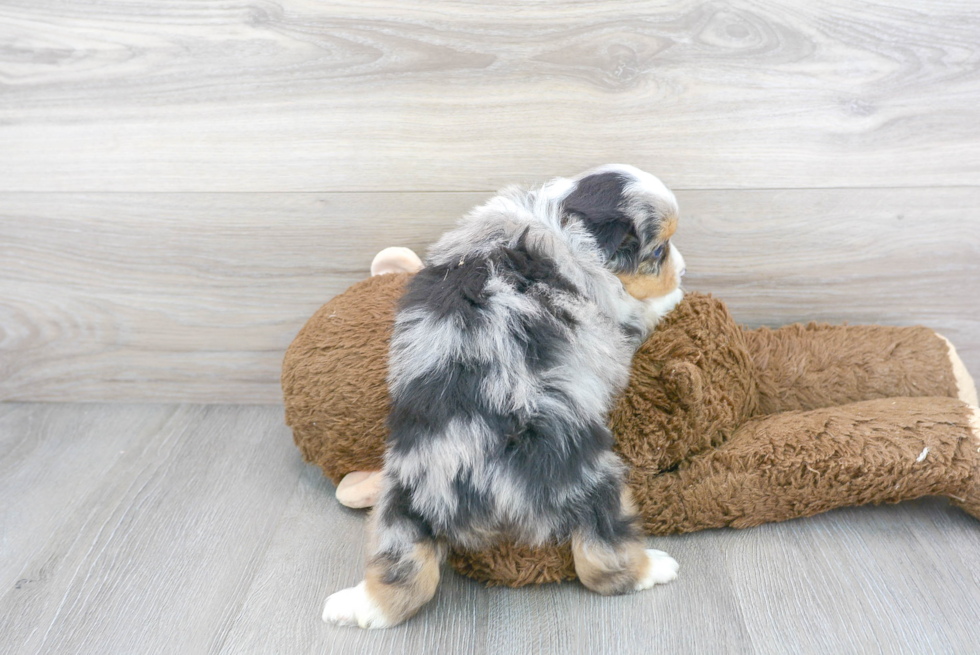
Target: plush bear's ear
point(396, 260)
point(683, 383)
point(597, 200)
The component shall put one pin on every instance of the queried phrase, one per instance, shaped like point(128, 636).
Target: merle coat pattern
point(508, 350)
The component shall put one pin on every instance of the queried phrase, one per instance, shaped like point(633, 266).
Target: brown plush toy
point(721, 426)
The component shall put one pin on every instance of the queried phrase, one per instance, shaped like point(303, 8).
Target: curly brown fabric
point(333, 378)
point(720, 426)
point(818, 365)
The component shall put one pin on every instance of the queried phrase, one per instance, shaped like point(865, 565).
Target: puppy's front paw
point(353, 607)
point(661, 568)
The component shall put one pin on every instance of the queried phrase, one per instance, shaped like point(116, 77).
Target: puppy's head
point(631, 215)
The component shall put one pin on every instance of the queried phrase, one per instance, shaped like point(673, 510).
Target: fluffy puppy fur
point(508, 350)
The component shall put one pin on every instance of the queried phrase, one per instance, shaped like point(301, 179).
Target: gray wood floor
point(198, 529)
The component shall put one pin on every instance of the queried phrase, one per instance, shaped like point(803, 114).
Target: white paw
point(353, 607)
point(663, 568)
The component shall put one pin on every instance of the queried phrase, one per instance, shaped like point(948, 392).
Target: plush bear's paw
point(662, 568)
point(396, 260)
point(359, 489)
point(966, 388)
point(968, 499)
point(354, 607)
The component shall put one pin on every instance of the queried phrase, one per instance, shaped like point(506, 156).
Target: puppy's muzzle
point(659, 283)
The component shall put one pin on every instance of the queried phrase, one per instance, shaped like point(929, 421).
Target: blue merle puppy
point(509, 348)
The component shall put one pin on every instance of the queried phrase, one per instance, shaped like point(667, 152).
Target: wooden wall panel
point(194, 297)
point(355, 95)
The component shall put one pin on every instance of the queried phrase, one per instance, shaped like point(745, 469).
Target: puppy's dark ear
point(613, 235)
point(596, 201)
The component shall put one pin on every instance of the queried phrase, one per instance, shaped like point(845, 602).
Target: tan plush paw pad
point(359, 489)
point(396, 260)
point(964, 381)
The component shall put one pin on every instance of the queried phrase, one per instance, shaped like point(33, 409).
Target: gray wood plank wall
point(183, 183)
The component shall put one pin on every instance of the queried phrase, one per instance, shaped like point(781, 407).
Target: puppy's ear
point(597, 200)
point(616, 238)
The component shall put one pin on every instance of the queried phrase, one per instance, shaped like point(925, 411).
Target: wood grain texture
point(568, 618)
point(195, 297)
point(317, 549)
point(156, 555)
point(48, 474)
point(302, 95)
point(181, 529)
point(183, 183)
point(190, 297)
point(838, 571)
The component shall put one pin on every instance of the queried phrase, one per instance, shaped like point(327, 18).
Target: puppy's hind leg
point(608, 549)
point(402, 571)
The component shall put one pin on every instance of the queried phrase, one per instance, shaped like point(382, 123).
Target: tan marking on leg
point(965, 386)
point(400, 588)
point(606, 570)
point(626, 504)
point(639, 564)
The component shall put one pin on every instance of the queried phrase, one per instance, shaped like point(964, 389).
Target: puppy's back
point(502, 370)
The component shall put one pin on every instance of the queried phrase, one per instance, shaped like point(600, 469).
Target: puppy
point(508, 350)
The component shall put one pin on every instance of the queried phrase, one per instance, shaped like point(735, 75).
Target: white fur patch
point(657, 308)
point(557, 189)
point(680, 266)
point(353, 606)
point(663, 568)
point(922, 455)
